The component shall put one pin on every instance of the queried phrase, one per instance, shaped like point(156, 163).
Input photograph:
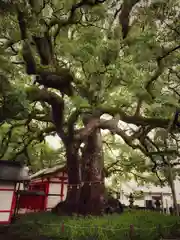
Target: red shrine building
point(48, 188)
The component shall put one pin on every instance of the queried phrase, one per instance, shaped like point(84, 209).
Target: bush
point(146, 225)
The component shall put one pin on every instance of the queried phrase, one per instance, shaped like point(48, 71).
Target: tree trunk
point(86, 182)
point(172, 186)
point(73, 171)
point(70, 205)
point(93, 189)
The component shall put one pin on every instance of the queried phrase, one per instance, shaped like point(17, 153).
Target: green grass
point(147, 226)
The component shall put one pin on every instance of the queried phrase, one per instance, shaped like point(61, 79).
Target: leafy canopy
point(124, 61)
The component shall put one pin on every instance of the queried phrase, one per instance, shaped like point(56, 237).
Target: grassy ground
point(147, 226)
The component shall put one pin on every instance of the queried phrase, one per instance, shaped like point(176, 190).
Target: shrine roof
point(48, 171)
point(13, 171)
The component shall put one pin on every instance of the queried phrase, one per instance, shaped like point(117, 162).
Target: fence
point(66, 231)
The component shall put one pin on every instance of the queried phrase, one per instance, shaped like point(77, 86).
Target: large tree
point(64, 64)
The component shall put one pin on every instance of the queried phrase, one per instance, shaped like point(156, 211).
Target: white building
point(46, 189)
point(149, 193)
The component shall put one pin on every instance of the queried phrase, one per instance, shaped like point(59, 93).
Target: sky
point(53, 141)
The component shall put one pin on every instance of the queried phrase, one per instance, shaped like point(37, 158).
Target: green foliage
point(147, 225)
point(16, 100)
point(90, 45)
point(123, 164)
point(43, 156)
point(108, 71)
point(23, 143)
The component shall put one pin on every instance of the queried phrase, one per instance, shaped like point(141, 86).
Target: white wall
point(6, 198)
point(55, 188)
point(177, 188)
point(132, 186)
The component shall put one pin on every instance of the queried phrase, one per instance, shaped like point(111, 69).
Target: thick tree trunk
point(74, 176)
point(71, 203)
point(92, 191)
point(86, 182)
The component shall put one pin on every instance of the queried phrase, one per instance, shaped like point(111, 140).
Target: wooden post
point(62, 228)
point(167, 209)
point(162, 202)
point(131, 231)
point(159, 231)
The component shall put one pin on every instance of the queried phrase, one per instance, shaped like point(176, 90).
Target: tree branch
point(124, 16)
point(56, 103)
point(88, 130)
point(136, 120)
point(155, 76)
point(38, 134)
point(70, 20)
point(71, 123)
point(168, 52)
point(159, 70)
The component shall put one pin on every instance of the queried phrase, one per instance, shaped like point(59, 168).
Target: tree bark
point(82, 196)
point(70, 206)
point(93, 189)
point(172, 186)
point(74, 176)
